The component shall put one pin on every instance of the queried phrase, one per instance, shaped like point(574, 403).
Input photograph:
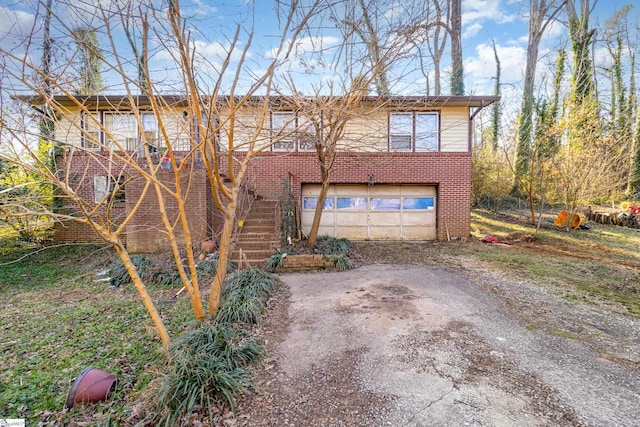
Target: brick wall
point(80, 174)
point(145, 232)
point(450, 173)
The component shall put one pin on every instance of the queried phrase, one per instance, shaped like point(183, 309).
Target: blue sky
point(503, 21)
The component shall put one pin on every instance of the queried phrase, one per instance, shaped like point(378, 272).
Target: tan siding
point(367, 132)
point(454, 126)
point(243, 131)
point(68, 129)
point(176, 126)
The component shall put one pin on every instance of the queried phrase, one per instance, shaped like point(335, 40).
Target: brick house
point(403, 170)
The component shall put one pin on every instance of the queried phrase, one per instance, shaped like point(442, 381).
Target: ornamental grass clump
point(335, 250)
point(275, 261)
point(342, 262)
point(333, 245)
point(208, 367)
point(244, 296)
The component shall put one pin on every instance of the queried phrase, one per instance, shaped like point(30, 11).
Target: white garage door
point(379, 212)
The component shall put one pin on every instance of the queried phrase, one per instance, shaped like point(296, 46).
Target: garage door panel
point(379, 212)
point(328, 219)
point(325, 231)
point(353, 232)
point(385, 233)
point(377, 219)
point(419, 233)
point(352, 218)
point(418, 191)
point(419, 218)
point(349, 190)
point(311, 190)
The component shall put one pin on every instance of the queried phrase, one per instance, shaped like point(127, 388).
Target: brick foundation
point(450, 173)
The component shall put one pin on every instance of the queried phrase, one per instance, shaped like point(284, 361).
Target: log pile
point(622, 219)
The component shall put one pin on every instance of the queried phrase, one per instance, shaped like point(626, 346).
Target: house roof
point(120, 101)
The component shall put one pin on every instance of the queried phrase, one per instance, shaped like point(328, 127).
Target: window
point(312, 202)
point(121, 131)
point(384, 204)
point(417, 132)
point(109, 189)
point(91, 131)
point(292, 132)
point(417, 203)
point(149, 132)
point(352, 203)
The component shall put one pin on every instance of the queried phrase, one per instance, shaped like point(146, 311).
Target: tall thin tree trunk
point(313, 233)
point(144, 295)
point(225, 248)
point(495, 119)
point(457, 70)
point(541, 15)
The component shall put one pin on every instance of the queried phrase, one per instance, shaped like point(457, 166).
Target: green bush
point(120, 276)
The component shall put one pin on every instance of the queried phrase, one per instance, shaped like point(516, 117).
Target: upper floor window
point(123, 129)
point(292, 132)
point(413, 131)
point(91, 134)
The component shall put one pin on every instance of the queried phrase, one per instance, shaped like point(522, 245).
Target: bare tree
point(364, 20)
point(541, 14)
point(195, 125)
point(89, 51)
point(323, 117)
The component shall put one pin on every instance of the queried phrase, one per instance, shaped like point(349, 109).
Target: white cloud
point(485, 10)
point(481, 69)
point(214, 52)
point(15, 27)
point(472, 30)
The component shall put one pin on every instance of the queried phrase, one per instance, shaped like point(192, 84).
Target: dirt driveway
point(406, 345)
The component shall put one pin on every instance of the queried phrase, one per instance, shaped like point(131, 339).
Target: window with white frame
point(413, 131)
point(292, 132)
point(91, 133)
point(122, 128)
point(121, 131)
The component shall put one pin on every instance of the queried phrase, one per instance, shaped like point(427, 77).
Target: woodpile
point(622, 219)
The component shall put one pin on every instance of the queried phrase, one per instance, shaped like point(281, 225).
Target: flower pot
point(91, 385)
point(208, 246)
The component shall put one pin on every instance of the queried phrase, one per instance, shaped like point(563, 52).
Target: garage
point(377, 212)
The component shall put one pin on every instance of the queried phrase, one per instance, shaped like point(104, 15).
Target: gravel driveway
point(426, 346)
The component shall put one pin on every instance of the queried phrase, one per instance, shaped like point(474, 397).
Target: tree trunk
point(457, 70)
point(144, 295)
point(538, 11)
point(313, 233)
point(225, 249)
point(495, 119)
